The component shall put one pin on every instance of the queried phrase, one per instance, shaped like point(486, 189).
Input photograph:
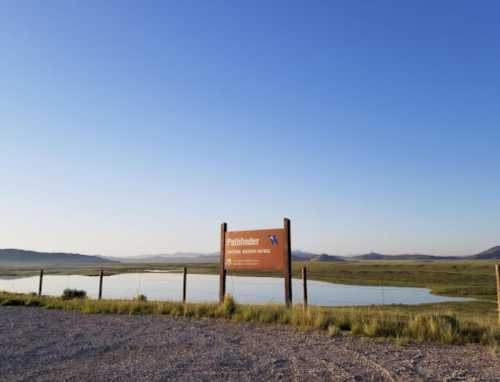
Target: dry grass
point(400, 323)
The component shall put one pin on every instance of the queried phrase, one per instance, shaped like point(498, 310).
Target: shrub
point(69, 294)
point(245, 313)
point(437, 327)
point(357, 327)
point(141, 297)
point(272, 314)
point(32, 302)
point(380, 326)
point(229, 306)
point(321, 320)
point(491, 337)
point(140, 308)
point(12, 302)
point(334, 330)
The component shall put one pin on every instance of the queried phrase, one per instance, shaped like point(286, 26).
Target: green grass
point(451, 278)
point(448, 323)
point(73, 293)
point(477, 320)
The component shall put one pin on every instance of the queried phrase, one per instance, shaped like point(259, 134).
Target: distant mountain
point(298, 255)
point(370, 256)
point(413, 256)
point(302, 255)
point(490, 254)
point(193, 257)
point(170, 255)
point(327, 258)
point(177, 257)
point(20, 257)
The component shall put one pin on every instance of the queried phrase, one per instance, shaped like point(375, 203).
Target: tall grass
point(396, 322)
point(68, 294)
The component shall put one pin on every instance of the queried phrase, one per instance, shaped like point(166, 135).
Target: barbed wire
point(170, 282)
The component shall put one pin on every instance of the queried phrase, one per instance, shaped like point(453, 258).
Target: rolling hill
point(25, 258)
point(298, 255)
point(178, 257)
point(20, 257)
point(490, 254)
point(412, 256)
point(327, 258)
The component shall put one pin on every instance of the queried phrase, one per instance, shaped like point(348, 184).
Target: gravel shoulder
point(50, 345)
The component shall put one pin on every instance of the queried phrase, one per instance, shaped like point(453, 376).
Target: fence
point(204, 288)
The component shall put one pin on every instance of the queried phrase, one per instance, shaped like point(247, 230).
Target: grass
point(449, 323)
point(457, 322)
point(451, 278)
point(68, 294)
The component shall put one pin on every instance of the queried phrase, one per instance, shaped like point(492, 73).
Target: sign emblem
point(274, 239)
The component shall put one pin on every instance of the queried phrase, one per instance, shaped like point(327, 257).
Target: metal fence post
point(40, 283)
point(287, 263)
point(222, 268)
point(304, 285)
point(184, 279)
point(101, 274)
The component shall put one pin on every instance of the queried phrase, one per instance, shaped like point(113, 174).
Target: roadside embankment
point(448, 323)
point(53, 345)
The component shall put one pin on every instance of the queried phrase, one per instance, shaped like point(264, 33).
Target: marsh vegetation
point(447, 323)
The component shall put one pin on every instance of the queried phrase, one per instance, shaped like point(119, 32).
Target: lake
point(205, 288)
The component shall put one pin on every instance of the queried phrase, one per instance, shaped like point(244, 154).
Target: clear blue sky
point(131, 128)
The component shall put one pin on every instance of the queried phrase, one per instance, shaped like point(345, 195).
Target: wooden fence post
point(101, 274)
point(304, 285)
point(497, 267)
point(288, 263)
point(40, 282)
point(184, 278)
point(222, 269)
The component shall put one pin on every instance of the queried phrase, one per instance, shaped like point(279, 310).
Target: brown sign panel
point(261, 250)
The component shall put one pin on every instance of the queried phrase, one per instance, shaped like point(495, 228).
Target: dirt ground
point(50, 345)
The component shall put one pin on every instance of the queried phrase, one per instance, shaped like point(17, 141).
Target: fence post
point(40, 282)
point(184, 278)
point(287, 263)
point(497, 267)
point(304, 285)
point(222, 268)
point(101, 274)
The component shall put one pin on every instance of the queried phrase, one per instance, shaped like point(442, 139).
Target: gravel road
point(52, 345)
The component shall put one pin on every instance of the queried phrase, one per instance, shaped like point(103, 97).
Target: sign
point(257, 250)
point(264, 250)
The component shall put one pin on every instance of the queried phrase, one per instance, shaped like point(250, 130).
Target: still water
point(205, 288)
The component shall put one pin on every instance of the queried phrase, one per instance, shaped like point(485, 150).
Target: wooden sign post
point(497, 268)
point(262, 250)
